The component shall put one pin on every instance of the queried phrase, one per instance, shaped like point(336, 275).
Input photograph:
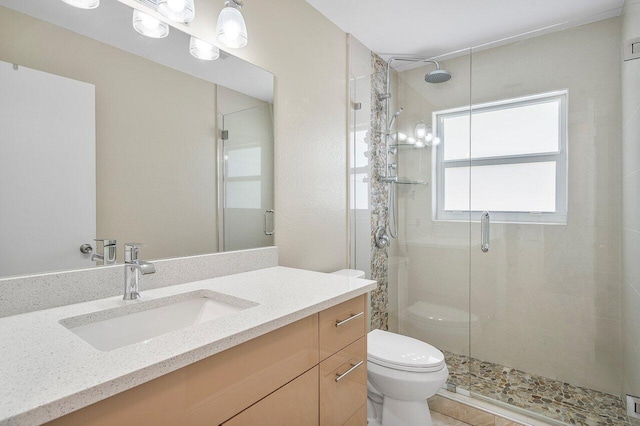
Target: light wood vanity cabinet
point(286, 377)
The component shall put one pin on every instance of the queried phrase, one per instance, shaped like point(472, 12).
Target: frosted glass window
point(244, 162)
point(243, 194)
point(503, 131)
point(525, 187)
point(508, 158)
point(457, 131)
point(527, 129)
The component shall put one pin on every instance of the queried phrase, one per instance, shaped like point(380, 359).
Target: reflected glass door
point(248, 214)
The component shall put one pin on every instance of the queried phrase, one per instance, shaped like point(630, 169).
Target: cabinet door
point(343, 386)
point(294, 404)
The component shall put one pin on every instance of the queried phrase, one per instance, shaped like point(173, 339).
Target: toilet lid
point(402, 353)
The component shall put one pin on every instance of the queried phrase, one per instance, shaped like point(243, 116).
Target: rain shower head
point(437, 76)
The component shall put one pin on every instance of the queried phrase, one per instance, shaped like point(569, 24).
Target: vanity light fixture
point(203, 50)
point(83, 4)
point(231, 29)
point(149, 26)
point(177, 10)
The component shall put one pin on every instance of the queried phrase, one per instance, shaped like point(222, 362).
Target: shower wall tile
point(630, 256)
point(631, 345)
point(630, 132)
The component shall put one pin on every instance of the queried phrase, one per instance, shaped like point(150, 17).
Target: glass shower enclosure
point(509, 259)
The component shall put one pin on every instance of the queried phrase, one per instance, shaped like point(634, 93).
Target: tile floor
point(551, 398)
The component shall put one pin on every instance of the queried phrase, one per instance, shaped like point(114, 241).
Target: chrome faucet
point(108, 256)
point(133, 267)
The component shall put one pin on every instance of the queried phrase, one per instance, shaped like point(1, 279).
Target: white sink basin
point(140, 322)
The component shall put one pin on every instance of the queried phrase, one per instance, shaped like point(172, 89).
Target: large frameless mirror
point(108, 135)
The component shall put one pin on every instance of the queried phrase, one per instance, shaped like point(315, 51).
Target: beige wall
point(308, 56)
point(155, 184)
point(546, 297)
point(631, 206)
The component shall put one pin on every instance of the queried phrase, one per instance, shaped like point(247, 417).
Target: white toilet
point(402, 373)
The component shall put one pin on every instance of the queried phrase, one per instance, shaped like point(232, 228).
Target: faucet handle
point(131, 251)
point(105, 241)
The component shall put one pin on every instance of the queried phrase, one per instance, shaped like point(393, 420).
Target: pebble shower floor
point(551, 398)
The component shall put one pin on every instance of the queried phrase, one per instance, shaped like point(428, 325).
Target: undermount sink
point(140, 322)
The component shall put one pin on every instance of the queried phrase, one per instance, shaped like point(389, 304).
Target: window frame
point(560, 157)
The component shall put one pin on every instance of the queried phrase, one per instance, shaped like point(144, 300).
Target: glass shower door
point(248, 179)
point(545, 263)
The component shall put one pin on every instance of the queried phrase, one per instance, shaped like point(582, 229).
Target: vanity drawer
point(296, 403)
point(343, 386)
point(342, 325)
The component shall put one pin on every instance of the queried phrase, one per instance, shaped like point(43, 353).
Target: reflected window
point(244, 162)
point(507, 157)
point(243, 184)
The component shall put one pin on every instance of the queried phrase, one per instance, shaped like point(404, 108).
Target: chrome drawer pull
point(353, 367)
point(352, 317)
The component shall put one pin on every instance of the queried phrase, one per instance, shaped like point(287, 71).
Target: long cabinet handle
point(485, 225)
point(353, 367)
point(352, 317)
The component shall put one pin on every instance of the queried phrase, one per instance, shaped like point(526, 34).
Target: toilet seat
point(403, 353)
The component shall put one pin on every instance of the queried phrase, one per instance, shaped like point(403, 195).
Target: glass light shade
point(402, 137)
point(419, 144)
point(421, 130)
point(203, 50)
point(232, 30)
point(177, 10)
point(411, 140)
point(149, 26)
point(83, 4)
point(429, 137)
point(436, 141)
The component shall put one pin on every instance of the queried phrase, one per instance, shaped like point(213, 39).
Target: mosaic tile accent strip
point(379, 195)
point(551, 398)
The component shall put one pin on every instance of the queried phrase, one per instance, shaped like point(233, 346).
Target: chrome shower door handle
point(269, 233)
point(485, 225)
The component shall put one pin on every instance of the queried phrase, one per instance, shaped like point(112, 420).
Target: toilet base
point(393, 412)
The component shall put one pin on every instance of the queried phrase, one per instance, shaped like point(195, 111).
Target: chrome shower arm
point(405, 59)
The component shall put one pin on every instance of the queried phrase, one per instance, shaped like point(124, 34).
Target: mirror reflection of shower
point(424, 137)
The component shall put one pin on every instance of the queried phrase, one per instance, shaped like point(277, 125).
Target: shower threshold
point(534, 394)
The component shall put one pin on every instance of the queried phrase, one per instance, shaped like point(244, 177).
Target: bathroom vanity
point(294, 352)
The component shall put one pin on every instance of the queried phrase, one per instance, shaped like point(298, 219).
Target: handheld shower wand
point(393, 119)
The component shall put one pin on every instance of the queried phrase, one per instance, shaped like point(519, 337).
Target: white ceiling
point(111, 24)
point(431, 28)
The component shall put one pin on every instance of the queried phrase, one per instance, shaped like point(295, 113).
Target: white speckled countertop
point(46, 371)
